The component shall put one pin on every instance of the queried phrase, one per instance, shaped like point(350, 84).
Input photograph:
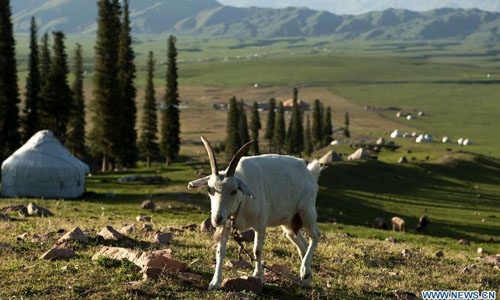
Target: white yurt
point(395, 134)
point(409, 117)
point(460, 141)
point(43, 167)
point(361, 153)
point(446, 139)
point(330, 157)
point(466, 142)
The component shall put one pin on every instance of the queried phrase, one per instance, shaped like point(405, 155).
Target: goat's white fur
point(272, 190)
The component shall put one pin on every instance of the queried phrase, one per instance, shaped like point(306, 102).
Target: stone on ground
point(58, 253)
point(162, 238)
point(238, 264)
point(245, 283)
point(206, 226)
point(147, 227)
point(148, 204)
point(143, 218)
point(110, 234)
point(127, 229)
point(76, 234)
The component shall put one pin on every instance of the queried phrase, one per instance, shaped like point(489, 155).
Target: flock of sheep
point(398, 224)
point(427, 138)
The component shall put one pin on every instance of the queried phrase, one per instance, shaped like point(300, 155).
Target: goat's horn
point(211, 156)
point(236, 159)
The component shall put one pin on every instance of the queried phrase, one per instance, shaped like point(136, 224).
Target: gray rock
point(76, 234)
point(148, 204)
point(238, 264)
point(162, 238)
point(143, 218)
point(127, 229)
point(245, 283)
point(110, 234)
point(58, 253)
point(206, 226)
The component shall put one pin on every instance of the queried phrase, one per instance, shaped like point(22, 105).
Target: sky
point(362, 6)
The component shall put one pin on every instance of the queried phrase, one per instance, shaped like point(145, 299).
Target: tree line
point(51, 103)
point(296, 140)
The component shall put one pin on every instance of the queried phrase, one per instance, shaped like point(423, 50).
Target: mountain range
point(212, 19)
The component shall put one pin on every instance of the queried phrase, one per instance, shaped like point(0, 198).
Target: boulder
point(127, 229)
point(148, 204)
point(238, 264)
point(162, 238)
point(35, 210)
point(206, 226)
point(245, 283)
point(143, 218)
point(361, 153)
point(58, 253)
point(110, 234)
point(403, 160)
point(76, 234)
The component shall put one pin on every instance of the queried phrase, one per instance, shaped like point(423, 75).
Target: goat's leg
point(221, 253)
point(309, 221)
point(258, 244)
point(297, 239)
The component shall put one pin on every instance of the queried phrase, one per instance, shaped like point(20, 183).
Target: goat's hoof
point(214, 285)
point(305, 281)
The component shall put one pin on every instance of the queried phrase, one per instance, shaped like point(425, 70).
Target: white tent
point(466, 142)
point(330, 157)
point(446, 139)
point(335, 143)
point(460, 141)
point(395, 134)
point(43, 167)
point(361, 153)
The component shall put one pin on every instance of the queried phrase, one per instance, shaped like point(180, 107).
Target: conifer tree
point(56, 94)
point(243, 124)
point(255, 126)
point(279, 134)
point(171, 127)
point(148, 142)
point(317, 125)
point(347, 134)
point(271, 120)
point(328, 127)
point(233, 142)
point(76, 129)
point(308, 147)
point(295, 135)
point(9, 93)
point(106, 120)
point(44, 59)
point(127, 150)
point(31, 119)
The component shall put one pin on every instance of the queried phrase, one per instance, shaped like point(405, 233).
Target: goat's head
point(225, 190)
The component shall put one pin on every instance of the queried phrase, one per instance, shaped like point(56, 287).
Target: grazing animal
point(422, 224)
point(262, 191)
point(399, 224)
point(380, 223)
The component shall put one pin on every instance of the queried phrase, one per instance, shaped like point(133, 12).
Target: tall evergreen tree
point(31, 119)
point(127, 149)
point(243, 124)
point(308, 147)
point(148, 142)
point(44, 59)
point(56, 94)
point(9, 93)
point(328, 127)
point(271, 120)
point(317, 125)
point(233, 142)
point(76, 129)
point(104, 135)
point(295, 136)
point(279, 134)
point(255, 126)
point(347, 133)
point(171, 127)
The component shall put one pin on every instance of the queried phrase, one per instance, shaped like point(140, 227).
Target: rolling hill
point(210, 18)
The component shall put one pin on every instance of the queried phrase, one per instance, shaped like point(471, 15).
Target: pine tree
point(127, 150)
point(9, 93)
point(148, 142)
point(233, 142)
point(271, 120)
point(317, 125)
point(328, 127)
point(255, 126)
point(347, 134)
point(30, 121)
point(44, 59)
point(279, 134)
point(76, 129)
point(243, 124)
point(56, 94)
point(308, 147)
point(106, 119)
point(170, 140)
point(295, 136)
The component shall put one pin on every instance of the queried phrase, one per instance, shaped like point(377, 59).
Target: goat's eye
point(234, 192)
point(210, 191)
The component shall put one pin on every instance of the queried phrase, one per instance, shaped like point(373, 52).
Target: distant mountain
point(210, 18)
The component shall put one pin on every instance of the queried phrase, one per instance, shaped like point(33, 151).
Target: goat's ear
point(244, 189)
point(198, 183)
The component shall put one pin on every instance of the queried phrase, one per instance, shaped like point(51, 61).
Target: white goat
point(261, 191)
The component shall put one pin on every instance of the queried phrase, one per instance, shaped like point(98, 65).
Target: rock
point(406, 253)
point(247, 236)
point(162, 238)
point(35, 210)
point(392, 239)
point(190, 227)
point(463, 242)
point(76, 234)
point(494, 260)
point(404, 295)
point(148, 204)
point(23, 212)
point(58, 253)
point(127, 229)
point(403, 160)
point(239, 296)
point(4, 217)
point(238, 264)
point(143, 218)
point(167, 265)
point(206, 226)
point(439, 254)
point(21, 237)
point(189, 277)
point(110, 234)
point(147, 227)
point(245, 283)
point(118, 253)
point(270, 276)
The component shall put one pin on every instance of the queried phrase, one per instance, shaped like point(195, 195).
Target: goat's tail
point(315, 168)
